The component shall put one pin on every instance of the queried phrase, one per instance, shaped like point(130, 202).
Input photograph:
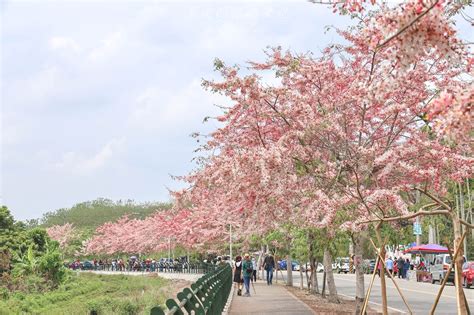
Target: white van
point(439, 268)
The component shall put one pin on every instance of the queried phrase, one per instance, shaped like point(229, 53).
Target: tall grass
point(86, 293)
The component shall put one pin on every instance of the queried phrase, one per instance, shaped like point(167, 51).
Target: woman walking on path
point(247, 270)
point(254, 267)
point(238, 275)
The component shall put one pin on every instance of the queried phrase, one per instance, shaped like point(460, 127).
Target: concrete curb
point(229, 301)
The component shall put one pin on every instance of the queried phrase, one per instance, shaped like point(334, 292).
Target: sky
point(99, 98)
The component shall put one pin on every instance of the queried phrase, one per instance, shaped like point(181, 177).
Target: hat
point(246, 255)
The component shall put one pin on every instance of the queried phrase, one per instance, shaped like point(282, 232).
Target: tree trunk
point(461, 301)
point(301, 278)
point(289, 271)
point(308, 280)
point(260, 260)
point(333, 298)
point(265, 250)
point(313, 288)
point(323, 294)
point(359, 271)
point(314, 277)
point(382, 271)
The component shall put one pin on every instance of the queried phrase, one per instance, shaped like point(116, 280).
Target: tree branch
point(403, 29)
point(258, 128)
point(372, 66)
point(436, 199)
point(408, 216)
point(273, 106)
point(469, 225)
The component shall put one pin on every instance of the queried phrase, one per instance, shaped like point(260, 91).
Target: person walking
point(406, 267)
point(268, 266)
point(247, 271)
point(238, 275)
point(254, 267)
point(389, 265)
point(400, 264)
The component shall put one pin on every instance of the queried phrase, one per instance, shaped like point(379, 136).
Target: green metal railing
point(208, 295)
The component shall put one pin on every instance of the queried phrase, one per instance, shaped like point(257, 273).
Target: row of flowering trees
point(339, 141)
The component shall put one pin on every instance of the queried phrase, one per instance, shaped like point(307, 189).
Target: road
point(420, 296)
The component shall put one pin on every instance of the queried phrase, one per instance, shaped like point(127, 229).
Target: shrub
point(4, 293)
point(129, 308)
point(95, 307)
point(50, 264)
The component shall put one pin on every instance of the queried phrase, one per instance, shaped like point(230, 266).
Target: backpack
point(249, 269)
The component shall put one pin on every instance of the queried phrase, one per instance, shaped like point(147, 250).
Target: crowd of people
point(131, 264)
point(396, 267)
point(245, 271)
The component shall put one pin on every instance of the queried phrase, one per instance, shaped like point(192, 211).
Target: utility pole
point(418, 235)
point(418, 221)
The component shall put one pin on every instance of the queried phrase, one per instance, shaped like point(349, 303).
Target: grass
point(86, 293)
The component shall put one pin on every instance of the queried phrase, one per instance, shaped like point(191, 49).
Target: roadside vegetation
point(33, 279)
point(90, 293)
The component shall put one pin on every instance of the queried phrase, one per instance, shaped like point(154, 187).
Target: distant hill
point(91, 214)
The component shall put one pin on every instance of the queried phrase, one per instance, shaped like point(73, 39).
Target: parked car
point(440, 267)
point(343, 265)
point(369, 266)
point(282, 264)
point(468, 274)
point(320, 267)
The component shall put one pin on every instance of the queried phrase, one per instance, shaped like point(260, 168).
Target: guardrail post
point(208, 295)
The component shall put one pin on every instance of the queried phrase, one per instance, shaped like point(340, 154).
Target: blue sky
point(99, 98)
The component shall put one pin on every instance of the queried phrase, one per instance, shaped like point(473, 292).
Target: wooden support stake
point(366, 301)
point(393, 280)
point(445, 279)
point(367, 296)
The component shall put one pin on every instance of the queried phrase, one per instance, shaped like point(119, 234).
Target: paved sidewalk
point(274, 299)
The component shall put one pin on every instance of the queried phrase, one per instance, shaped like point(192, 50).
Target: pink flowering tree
point(334, 141)
point(151, 234)
point(313, 144)
point(63, 234)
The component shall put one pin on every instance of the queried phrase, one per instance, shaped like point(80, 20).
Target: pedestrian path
point(274, 299)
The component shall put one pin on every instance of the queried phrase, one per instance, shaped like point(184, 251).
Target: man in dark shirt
point(269, 265)
point(400, 263)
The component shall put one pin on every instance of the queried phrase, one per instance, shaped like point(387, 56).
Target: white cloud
point(39, 86)
point(64, 43)
point(159, 109)
point(109, 46)
point(77, 163)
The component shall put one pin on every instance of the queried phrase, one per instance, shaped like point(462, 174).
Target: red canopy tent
point(427, 249)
